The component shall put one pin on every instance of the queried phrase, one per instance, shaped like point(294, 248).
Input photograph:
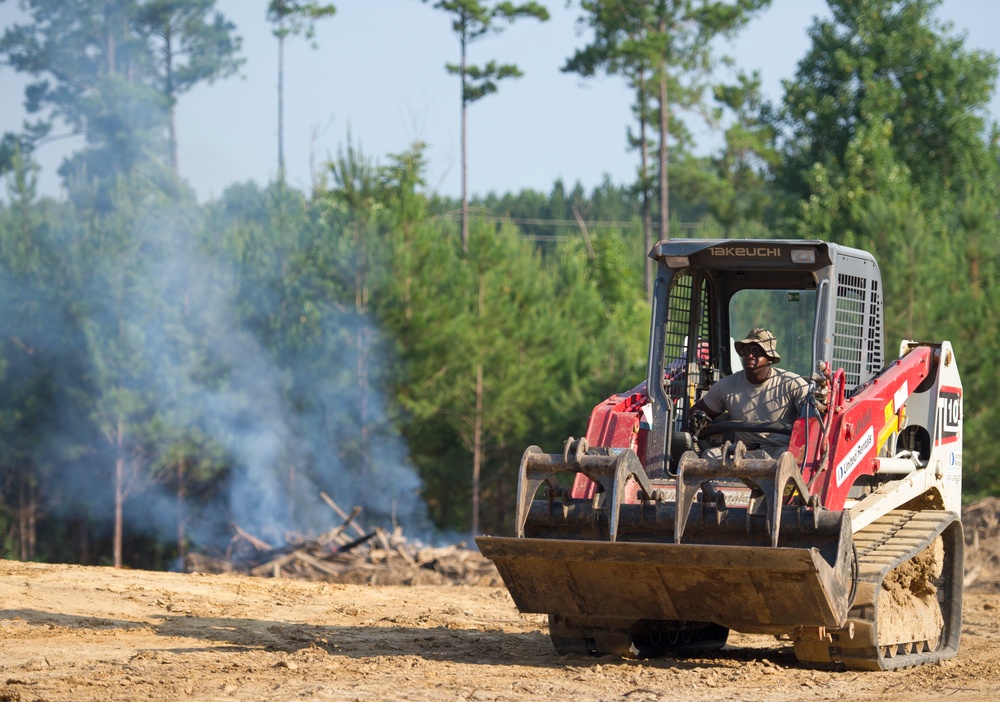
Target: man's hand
point(821, 393)
point(698, 421)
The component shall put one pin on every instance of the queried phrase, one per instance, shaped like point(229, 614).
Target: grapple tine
point(687, 490)
point(626, 467)
point(611, 472)
point(768, 477)
point(530, 476)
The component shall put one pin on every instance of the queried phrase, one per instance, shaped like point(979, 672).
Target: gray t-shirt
point(780, 398)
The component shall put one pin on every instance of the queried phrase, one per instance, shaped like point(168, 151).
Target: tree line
point(170, 369)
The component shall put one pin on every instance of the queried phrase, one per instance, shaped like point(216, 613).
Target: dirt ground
point(87, 633)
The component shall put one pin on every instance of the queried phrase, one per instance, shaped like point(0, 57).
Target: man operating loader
point(762, 393)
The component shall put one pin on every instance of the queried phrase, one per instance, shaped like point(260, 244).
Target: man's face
point(753, 358)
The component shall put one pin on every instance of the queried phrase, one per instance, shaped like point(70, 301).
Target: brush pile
point(349, 553)
point(981, 521)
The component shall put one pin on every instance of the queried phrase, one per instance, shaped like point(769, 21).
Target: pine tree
point(195, 46)
point(472, 20)
point(292, 18)
point(664, 48)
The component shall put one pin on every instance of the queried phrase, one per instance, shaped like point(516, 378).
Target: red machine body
point(644, 538)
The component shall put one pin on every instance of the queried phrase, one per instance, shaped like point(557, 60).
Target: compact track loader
point(644, 538)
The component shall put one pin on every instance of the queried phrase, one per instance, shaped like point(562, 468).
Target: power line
point(538, 221)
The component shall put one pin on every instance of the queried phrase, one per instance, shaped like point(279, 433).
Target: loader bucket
point(752, 589)
point(733, 542)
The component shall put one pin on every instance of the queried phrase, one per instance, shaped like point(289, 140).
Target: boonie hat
point(763, 338)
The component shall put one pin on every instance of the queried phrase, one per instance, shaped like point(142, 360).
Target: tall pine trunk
point(465, 161)
point(664, 181)
point(119, 444)
point(27, 516)
point(168, 55)
point(477, 449)
point(281, 101)
point(361, 293)
point(647, 214)
point(477, 422)
point(181, 513)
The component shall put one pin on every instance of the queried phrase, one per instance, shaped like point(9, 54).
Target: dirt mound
point(908, 606)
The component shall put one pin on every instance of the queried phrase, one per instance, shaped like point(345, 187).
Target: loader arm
point(860, 426)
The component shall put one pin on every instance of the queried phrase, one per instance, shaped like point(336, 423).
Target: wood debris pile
point(981, 521)
point(350, 554)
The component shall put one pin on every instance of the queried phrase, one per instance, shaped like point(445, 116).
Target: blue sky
point(378, 74)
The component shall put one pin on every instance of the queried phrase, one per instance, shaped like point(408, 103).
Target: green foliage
point(194, 47)
point(292, 17)
point(886, 69)
point(13, 146)
point(741, 191)
point(112, 72)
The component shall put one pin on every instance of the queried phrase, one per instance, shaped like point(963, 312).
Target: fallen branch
point(272, 566)
point(354, 544)
point(258, 544)
point(341, 513)
point(334, 533)
point(317, 563)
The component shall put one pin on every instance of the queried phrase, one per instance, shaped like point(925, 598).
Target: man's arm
point(700, 406)
point(799, 393)
point(701, 414)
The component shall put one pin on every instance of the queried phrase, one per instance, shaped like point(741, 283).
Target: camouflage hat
point(763, 338)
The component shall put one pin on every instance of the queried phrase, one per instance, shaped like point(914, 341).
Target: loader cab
point(822, 300)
